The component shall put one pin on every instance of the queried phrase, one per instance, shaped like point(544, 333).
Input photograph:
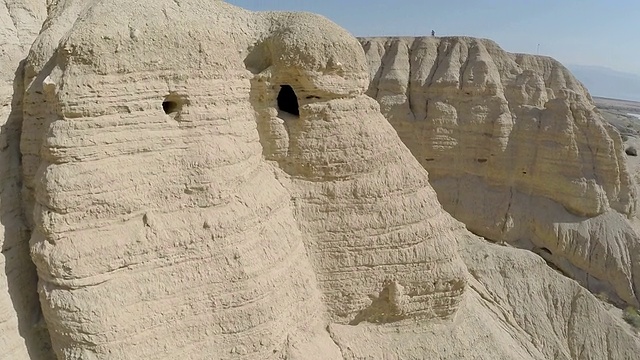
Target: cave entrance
point(172, 103)
point(288, 101)
point(169, 106)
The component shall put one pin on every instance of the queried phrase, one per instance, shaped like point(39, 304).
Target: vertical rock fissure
point(409, 82)
point(506, 213)
point(436, 65)
point(332, 336)
point(20, 270)
point(463, 67)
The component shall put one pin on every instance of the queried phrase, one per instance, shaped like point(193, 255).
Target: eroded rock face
point(22, 332)
point(516, 150)
point(160, 228)
point(158, 233)
point(359, 195)
point(516, 307)
point(201, 182)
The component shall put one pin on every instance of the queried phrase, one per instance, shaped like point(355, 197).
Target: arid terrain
point(623, 114)
point(264, 185)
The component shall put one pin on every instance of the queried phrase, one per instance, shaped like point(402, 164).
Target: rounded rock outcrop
point(157, 210)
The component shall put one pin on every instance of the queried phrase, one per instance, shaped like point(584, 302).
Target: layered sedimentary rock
point(22, 335)
point(516, 308)
point(375, 228)
point(159, 231)
point(199, 181)
point(159, 226)
point(516, 150)
point(379, 223)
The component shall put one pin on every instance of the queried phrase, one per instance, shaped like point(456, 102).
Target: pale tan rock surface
point(179, 212)
point(168, 235)
point(375, 228)
point(22, 334)
point(158, 235)
point(516, 150)
point(516, 308)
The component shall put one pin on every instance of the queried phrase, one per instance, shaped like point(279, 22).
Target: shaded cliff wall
point(23, 334)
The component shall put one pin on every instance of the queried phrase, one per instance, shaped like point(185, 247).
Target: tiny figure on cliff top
point(433, 33)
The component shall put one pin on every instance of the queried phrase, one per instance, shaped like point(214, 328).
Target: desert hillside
point(516, 150)
point(257, 186)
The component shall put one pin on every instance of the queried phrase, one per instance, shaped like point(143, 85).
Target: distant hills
point(605, 82)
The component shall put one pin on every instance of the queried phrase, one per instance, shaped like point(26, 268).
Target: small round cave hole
point(172, 104)
point(288, 101)
point(169, 106)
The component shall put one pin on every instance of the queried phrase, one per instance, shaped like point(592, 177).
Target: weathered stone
point(131, 146)
point(200, 181)
point(516, 150)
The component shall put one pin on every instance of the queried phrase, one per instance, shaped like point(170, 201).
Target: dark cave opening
point(169, 106)
point(288, 101)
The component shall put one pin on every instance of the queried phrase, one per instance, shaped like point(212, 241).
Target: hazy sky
point(585, 32)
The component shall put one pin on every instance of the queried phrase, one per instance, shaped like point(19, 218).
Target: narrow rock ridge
point(516, 150)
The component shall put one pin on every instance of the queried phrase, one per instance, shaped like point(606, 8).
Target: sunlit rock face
point(516, 150)
point(179, 211)
point(359, 195)
point(197, 181)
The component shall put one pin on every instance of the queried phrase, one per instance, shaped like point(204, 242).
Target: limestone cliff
point(361, 198)
point(159, 231)
point(516, 150)
point(155, 212)
point(203, 182)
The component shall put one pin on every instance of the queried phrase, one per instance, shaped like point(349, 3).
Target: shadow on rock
point(19, 270)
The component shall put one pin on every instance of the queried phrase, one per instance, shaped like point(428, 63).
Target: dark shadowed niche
point(288, 101)
point(173, 104)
